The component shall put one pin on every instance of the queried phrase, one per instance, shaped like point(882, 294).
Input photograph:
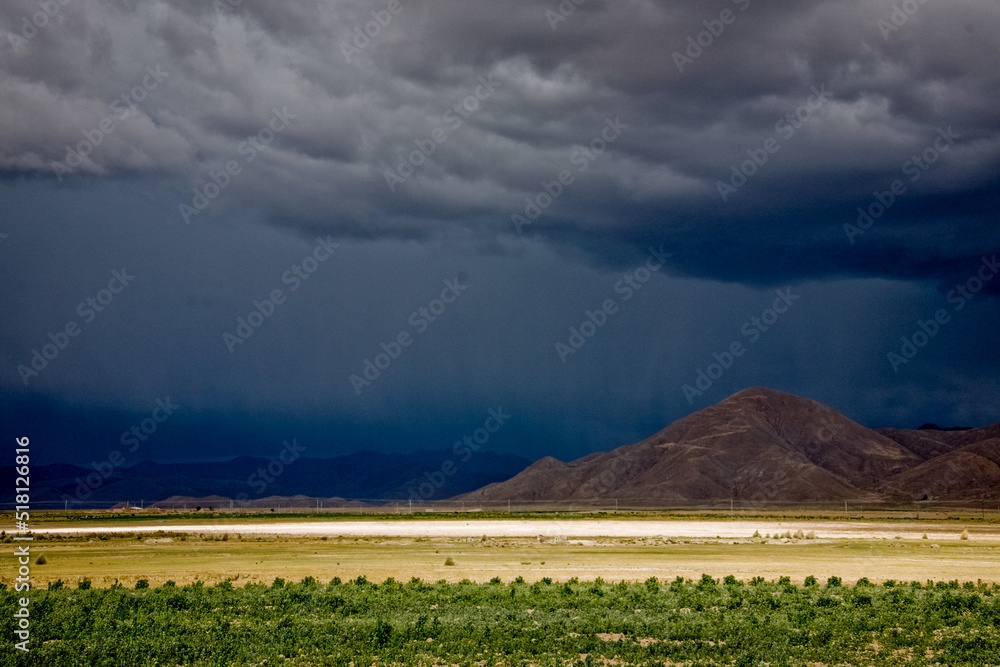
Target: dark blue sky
point(289, 230)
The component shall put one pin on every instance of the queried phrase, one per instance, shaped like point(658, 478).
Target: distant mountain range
point(765, 446)
point(757, 446)
point(425, 475)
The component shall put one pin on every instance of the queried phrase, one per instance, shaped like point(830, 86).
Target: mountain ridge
point(763, 445)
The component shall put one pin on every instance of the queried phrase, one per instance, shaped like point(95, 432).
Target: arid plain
point(631, 547)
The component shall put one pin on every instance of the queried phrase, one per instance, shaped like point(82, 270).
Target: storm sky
point(365, 224)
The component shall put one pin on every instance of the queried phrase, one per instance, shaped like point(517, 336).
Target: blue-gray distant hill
point(367, 475)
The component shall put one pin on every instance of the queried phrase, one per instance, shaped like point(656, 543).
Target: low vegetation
point(691, 622)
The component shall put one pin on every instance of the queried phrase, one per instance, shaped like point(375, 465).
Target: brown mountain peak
point(759, 443)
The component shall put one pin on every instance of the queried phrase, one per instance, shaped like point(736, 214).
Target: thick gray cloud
point(359, 111)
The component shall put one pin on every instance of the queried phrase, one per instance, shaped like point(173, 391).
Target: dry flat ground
point(587, 549)
point(570, 528)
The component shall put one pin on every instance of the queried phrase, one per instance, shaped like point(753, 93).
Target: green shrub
point(381, 634)
point(142, 583)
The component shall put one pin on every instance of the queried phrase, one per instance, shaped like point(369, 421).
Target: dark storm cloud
point(360, 104)
point(510, 96)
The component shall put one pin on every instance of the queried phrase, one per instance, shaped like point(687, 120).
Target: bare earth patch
point(585, 528)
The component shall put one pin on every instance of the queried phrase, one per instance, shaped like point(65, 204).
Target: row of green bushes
point(706, 580)
point(699, 622)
